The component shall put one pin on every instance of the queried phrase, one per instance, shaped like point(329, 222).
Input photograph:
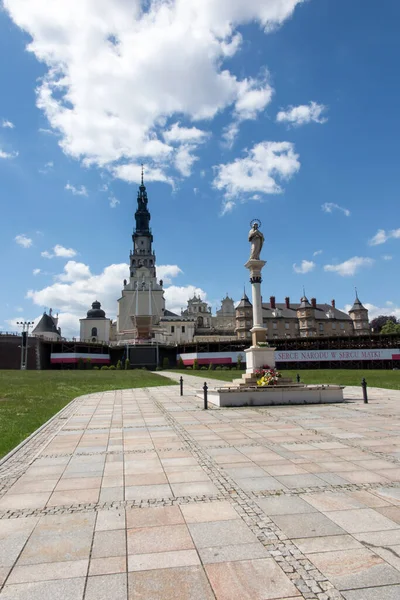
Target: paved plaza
point(141, 494)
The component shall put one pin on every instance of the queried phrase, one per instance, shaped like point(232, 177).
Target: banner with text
point(332, 355)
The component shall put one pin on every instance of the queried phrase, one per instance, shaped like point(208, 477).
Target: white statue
point(256, 239)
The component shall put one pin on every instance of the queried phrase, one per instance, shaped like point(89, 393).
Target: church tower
point(142, 302)
point(359, 315)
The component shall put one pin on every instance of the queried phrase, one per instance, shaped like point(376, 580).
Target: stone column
point(257, 356)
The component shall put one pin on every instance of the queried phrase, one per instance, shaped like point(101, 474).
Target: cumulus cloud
point(253, 97)
point(260, 170)
point(387, 257)
point(303, 114)
point(382, 236)
point(8, 155)
point(305, 267)
point(317, 252)
point(329, 207)
point(59, 252)
point(7, 124)
point(36, 271)
point(74, 290)
point(109, 90)
point(178, 134)
point(81, 191)
point(351, 266)
point(23, 240)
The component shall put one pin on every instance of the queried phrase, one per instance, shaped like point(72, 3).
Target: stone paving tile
point(309, 525)
point(356, 568)
point(260, 579)
point(107, 566)
point(286, 505)
point(217, 554)
point(224, 533)
point(48, 571)
point(105, 587)
point(67, 589)
point(154, 517)
point(159, 539)
point(361, 520)
point(214, 511)
point(163, 560)
point(108, 543)
point(387, 592)
point(185, 583)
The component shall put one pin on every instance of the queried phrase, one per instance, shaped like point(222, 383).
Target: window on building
point(94, 331)
point(275, 335)
point(287, 326)
point(183, 329)
point(321, 326)
point(296, 325)
point(274, 326)
point(341, 325)
point(172, 329)
point(333, 325)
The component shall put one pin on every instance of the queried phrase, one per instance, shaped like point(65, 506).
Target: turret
point(359, 315)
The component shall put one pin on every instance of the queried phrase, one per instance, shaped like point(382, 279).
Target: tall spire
point(141, 182)
point(142, 215)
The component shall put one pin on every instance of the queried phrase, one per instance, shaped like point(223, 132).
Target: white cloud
point(184, 159)
point(110, 90)
point(179, 134)
point(59, 252)
point(253, 97)
point(166, 272)
point(6, 155)
point(47, 167)
point(259, 171)
point(74, 290)
point(305, 267)
point(132, 173)
point(176, 297)
point(36, 271)
point(19, 309)
point(351, 266)
point(81, 191)
point(303, 114)
point(317, 252)
point(7, 124)
point(387, 257)
point(113, 202)
point(382, 236)
point(329, 207)
point(23, 240)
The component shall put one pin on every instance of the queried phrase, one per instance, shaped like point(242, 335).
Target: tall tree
point(377, 324)
point(390, 327)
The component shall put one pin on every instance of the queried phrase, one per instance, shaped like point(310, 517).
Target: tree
point(239, 362)
point(390, 327)
point(195, 364)
point(377, 324)
point(127, 364)
point(119, 366)
point(181, 364)
point(165, 362)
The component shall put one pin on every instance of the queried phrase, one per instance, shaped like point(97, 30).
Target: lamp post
point(24, 344)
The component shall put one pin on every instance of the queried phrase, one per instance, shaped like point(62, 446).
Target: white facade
point(95, 327)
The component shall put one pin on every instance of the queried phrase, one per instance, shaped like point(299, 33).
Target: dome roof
point(96, 311)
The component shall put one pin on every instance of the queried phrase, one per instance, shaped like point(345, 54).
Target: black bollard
point(205, 388)
point(298, 378)
point(364, 389)
point(181, 384)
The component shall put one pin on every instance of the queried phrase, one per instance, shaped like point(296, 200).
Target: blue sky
point(282, 110)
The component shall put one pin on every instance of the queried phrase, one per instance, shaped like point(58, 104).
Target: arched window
point(200, 321)
point(94, 331)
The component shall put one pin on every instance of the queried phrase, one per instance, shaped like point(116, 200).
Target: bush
point(81, 363)
point(211, 367)
point(127, 364)
point(195, 365)
point(188, 368)
point(119, 365)
point(225, 368)
point(144, 368)
point(180, 363)
point(104, 368)
point(239, 362)
point(112, 367)
point(218, 368)
point(203, 368)
point(165, 363)
point(95, 368)
point(158, 368)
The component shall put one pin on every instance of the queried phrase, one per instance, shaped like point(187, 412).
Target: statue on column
point(256, 239)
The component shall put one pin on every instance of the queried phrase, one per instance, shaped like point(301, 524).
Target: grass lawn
point(29, 398)
point(375, 378)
